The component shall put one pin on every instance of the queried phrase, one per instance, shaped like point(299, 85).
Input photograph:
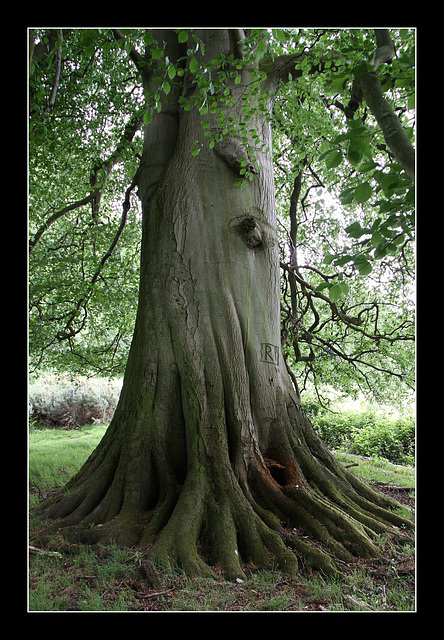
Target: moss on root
point(211, 520)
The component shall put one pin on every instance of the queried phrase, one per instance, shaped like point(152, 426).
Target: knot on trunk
point(248, 229)
point(231, 151)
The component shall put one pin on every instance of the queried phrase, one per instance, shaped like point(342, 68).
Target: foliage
point(346, 209)
point(345, 203)
point(367, 433)
point(82, 151)
point(69, 402)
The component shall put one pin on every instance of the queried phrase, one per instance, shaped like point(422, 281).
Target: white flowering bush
point(67, 401)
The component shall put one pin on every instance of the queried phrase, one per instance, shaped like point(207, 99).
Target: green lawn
point(56, 454)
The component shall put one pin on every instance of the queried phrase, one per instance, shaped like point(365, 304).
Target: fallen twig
point(43, 552)
point(146, 596)
point(357, 603)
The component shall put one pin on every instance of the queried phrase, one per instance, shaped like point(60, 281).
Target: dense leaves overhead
point(345, 194)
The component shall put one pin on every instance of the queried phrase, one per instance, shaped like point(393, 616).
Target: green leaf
point(343, 260)
point(355, 230)
point(166, 87)
point(376, 239)
point(182, 36)
point(194, 65)
point(335, 292)
point(354, 226)
point(328, 259)
point(280, 35)
point(333, 159)
point(399, 240)
point(385, 231)
point(261, 50)
point(322, 286)
point(337, 84)
point(171, 72)
point(367, 166)
point(147, 116)
point(363, 192)
point(346, 196)
point(354, 157)
point(380, 252)
point(157, 53)
point(345, 289)
point(364, 268)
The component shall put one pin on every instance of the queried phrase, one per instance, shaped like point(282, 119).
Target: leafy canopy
point(345, 202)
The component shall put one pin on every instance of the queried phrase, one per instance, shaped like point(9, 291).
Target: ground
point(112, 579)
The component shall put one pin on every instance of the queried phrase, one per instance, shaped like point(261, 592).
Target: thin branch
point(95, 195)
point(134, 55)
point(57, 74)
point(352, 322)
point(58, 214)
point(69, 332)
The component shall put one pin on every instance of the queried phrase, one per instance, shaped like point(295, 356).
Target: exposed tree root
point(218, 518)
point(220, 498)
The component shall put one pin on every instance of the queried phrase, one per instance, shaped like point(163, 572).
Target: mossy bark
point(209, 457)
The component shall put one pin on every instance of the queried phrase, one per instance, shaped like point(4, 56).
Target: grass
point(110, 579)
point(379, 470)
point(55, 455)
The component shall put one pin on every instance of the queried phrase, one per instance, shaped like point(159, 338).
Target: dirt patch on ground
point(403, 495)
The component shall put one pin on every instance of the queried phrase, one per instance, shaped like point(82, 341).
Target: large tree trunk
point(209, 457)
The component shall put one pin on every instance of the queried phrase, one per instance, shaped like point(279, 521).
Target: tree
point(209, 457)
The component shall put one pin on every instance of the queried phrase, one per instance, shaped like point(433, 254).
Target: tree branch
point(368, 87)
point(289, 65)
point(385, 48)
point(391, 127)
point(134, 55)
point(95, 195)
point(69, 332)
point(58, 214)
point(365, 87)
point(57, 73)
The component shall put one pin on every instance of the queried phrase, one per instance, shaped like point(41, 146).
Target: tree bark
point(391, 127)
point(209, 458)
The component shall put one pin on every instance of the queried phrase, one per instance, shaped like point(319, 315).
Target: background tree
point(209, 444)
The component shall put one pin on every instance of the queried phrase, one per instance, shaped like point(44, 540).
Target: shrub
point(68, 402)
point(366, 433)
point(393, 440)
